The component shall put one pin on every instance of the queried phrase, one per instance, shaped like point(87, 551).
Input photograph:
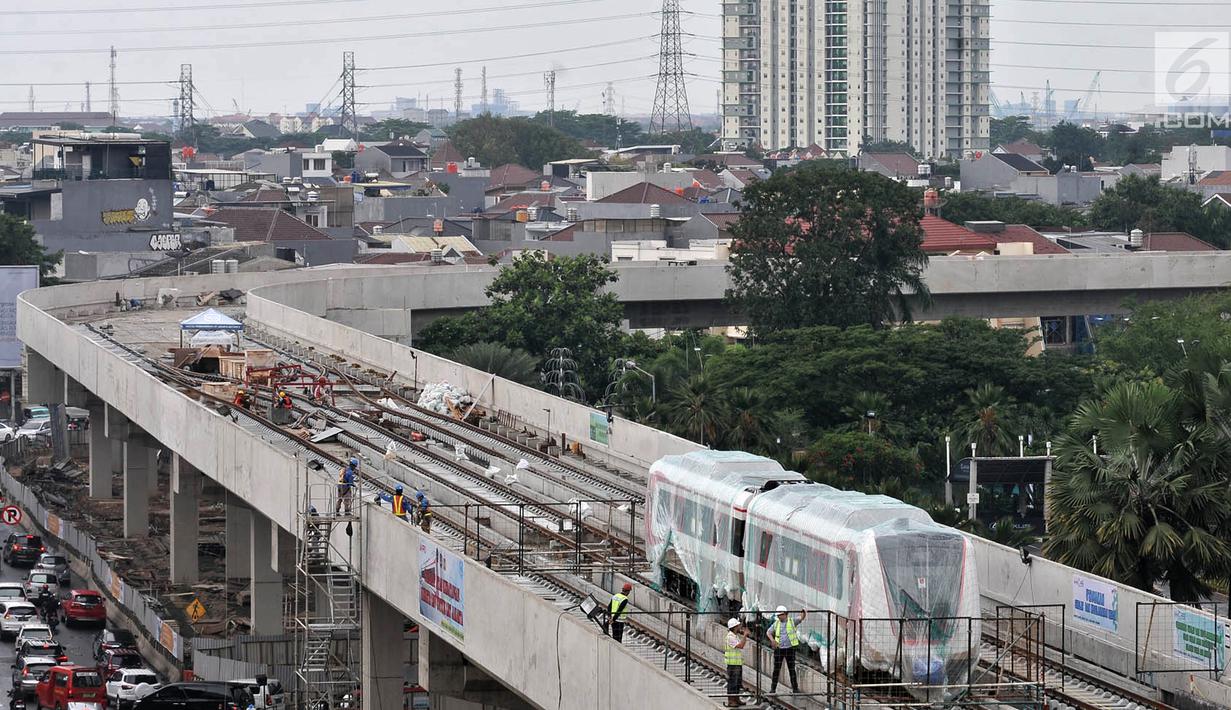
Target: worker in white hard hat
point(784, 636)
point(737, 638)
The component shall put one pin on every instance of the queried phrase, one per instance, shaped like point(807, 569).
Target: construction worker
point(243, 398)
point(284, 400)
point(425, 512)
point(398, 501)
point(618, 609)
point(785, 638)
point(318, 389)
point(737, 638)
point(346, 485)
point(314, 524)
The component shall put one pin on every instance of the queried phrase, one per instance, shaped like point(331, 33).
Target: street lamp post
point(948, 472)
point(871, 415)
point(1021, 446)
point(1184, 349)
point(632, 364)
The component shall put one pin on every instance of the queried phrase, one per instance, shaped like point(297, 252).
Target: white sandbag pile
point(434, 395)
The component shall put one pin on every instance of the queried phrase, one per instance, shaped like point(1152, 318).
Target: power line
point(173, 8)
point(1088, 70)
point(337, 40)
point(526, 55)
point(511, 75)
point(526, 92)
point(1086, 23)
point(303, 22)
point(1151, 3)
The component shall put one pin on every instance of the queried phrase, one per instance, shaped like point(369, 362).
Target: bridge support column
point(444, 671)
point(101, 450)
point(384, 654)
point(185, 520)
point(44, 381)
point(266, 578)
point(140, 471)
point(239, 539)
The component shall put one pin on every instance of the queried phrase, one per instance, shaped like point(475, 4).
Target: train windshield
point(923, 572)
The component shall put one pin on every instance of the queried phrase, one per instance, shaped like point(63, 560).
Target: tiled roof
point(1174, 241)
point(1022, 233)
point(445, 154)
point(941, 236)
point(261, 129)
point(706, 178)
point(522, 200)
point(1223, 197)
point(1020, 163)
point(1023, 147)
point(723, 220)
point(1216, 177)
point(897, 163)
point(513, 175)
point(265, 224)
point(401, 148)
point(645, 193)
point(383, 258)
point(265, 194)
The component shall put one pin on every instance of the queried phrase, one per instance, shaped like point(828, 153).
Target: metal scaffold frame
point(328, 613)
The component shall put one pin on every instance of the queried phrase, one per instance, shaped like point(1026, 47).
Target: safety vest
point(618, 614)
point(342, 478)
point(791, 634)
point(399, 504)
point(733, 656)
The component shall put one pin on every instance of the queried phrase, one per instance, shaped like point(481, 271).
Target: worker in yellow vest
point(737, 638)
point(785, 638)
point(397, 501)
point(619, 612)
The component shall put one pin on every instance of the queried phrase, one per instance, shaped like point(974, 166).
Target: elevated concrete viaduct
point(539, 656)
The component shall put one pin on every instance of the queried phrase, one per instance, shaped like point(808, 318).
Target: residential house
point(997, 171)
point(256, 128)
point(942, 237)
point(1203, 159)
point(645, 193)
point(442, 155)
point(311, 246)
point(1144, 170)
point(1215, 182)
point(709, 226)
point(898, 166)
point(431, 137)
point(1028, 150)
point(398, 159)
point(513, 178)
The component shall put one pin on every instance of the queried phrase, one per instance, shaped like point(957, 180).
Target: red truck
point(69, 683)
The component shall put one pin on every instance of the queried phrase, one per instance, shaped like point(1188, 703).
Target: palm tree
point(510, 363)
point(755, 425)
point(867, 413)
point(1151, 504)
point(987, 410)
point(698, 408)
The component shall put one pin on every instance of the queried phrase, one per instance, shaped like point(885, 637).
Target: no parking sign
point(10, 514)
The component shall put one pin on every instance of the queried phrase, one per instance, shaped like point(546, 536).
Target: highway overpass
point(520, 649)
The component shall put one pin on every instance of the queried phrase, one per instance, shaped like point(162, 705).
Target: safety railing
point(137, 606)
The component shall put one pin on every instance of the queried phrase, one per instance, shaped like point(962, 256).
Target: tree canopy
point(962, 207)
point(19, 247)
point(495, 140)
point(1145, 203)
point(825, 245)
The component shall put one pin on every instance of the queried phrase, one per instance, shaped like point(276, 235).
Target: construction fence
point(143, 610)
point(245, 656)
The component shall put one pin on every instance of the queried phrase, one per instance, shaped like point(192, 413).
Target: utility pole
point(349, 116)
point(483, 90)
point(670, 112)
point(549, 80)
point(457, 94)
point(88, 107)
point(114, 96)
point(30, 100)
point(188, 122)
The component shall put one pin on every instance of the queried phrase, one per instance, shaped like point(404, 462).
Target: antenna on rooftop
point(671, 97)
point(549, 80)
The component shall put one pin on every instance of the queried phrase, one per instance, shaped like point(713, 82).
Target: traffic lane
point(78, 641)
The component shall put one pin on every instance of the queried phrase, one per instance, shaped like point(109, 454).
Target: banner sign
point(1096, 603)
point(599, 432)
point(13, 280)
point(1199, 638)
point(442, 581)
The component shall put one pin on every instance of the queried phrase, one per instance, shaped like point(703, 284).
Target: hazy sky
point(595, 41)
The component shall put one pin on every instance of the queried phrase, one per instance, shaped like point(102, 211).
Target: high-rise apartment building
point(835, 73)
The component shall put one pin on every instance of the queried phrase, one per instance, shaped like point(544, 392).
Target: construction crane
point(1084, 101)
point(239, 110)
point(991, 95)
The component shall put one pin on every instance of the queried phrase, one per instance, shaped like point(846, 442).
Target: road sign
point(10, 514)
point(196, 610)
point(972, 498)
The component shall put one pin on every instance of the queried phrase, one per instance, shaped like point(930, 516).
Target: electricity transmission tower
point(349, 116)
point(609, 100)
point(670, 112)
point(483, 90)
point(30, 101)
point(457, 94)
point(114, 96)
point(87, 107)
point(549, 80)
point(187, 121)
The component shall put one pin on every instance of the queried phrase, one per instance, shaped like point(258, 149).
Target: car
point(32, 631)
point(35, 429)
point(27, 671)
point(266, 692)
point(127, 685)
point(36, 579)
point(22, 549)
point(197, 695)
point(68, 683)
point(37, 413)
point(8, 432)
point(17, 613)
point(83, 605)
point(12, 591)
point(116, 658)
point(43, 647)
point(57, 563)
point(113, 638)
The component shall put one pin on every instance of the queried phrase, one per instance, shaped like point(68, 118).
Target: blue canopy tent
point(209, 321)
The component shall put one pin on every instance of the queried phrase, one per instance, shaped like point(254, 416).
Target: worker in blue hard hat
point(425, 512)
point(398, 501)
point(346, 485)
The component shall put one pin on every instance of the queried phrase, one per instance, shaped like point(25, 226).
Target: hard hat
point(780, 610)
point(628, 587)
point(732, 623)
point(419, 495)
point(354, 463)
point(397, 488)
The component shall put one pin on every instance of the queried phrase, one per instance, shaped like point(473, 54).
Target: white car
point(55, 562)
point(37, 579)
point(10, 591)
point(127, 685)
point(17, 613)
point(270, 695)
point(8, 432)
point(34, 428)
point(33, 632)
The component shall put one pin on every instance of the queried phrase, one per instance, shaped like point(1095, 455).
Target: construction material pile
point(444, 398)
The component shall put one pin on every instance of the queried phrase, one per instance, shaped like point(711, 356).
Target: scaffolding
point(328, 610)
